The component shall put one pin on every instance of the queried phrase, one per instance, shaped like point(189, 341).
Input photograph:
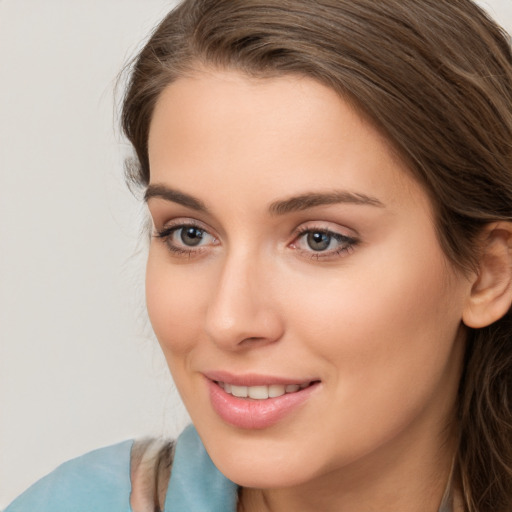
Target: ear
point(491, 293)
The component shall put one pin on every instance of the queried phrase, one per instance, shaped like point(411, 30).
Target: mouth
point(262, 392)
point(256, 401)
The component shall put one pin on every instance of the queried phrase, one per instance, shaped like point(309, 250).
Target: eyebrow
point(282, 207)
point(313, 199)
point(169, 194)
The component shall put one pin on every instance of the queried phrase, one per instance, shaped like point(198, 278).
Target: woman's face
point(295, 256)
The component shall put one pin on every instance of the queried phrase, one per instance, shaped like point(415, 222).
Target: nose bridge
point(242, 306)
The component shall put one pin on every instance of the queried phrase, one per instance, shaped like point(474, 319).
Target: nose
point(243, 310)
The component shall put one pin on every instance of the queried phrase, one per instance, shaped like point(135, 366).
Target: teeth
point(261, 392)
point(276, 390)
point(239, 391)
point(258, 392)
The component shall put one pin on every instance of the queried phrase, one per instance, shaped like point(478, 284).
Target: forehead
point(223, 125)
point(284, 101)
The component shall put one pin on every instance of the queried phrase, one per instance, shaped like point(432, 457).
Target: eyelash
point(347, 244)
point(167, 232)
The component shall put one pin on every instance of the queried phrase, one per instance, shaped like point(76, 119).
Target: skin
point(377, 321)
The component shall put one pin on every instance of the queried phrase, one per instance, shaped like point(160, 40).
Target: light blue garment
point(196, 484)
point(96, 482)
point(100, 482)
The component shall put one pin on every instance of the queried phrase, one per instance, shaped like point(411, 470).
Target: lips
point(256, 402)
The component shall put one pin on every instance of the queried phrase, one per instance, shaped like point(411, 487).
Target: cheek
point(383, 324)
point(173, 305)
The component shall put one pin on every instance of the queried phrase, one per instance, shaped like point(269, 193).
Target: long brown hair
point(436, 77)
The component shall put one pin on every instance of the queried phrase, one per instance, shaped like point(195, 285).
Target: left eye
point(319, 240)
point(322, 241)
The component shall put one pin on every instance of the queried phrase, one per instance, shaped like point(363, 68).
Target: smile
point(261, 392)
point(247, 402)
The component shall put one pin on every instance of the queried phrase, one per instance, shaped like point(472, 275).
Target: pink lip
point(255, 414)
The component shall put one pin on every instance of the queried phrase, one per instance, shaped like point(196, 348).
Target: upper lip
point(253, 379)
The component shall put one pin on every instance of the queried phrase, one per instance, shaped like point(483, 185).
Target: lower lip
point(256, 414)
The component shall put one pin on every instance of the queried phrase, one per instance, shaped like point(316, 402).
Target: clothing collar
point(196, 484)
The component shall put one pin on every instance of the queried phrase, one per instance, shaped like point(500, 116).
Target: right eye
point(185, 238)
point(190, 236)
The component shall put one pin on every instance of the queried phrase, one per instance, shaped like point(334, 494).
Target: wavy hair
point(435, 76)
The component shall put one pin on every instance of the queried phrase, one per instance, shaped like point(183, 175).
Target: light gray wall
point(77, 367)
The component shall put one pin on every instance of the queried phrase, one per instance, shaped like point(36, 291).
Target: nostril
point(252, 339)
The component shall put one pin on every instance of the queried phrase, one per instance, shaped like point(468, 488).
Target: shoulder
point(99, 481)
point(151, 463)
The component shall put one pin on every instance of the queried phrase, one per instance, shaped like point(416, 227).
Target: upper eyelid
point(327, 227)
point(332, 233)
point(184, 222)
point(303, 227)
point(344, 233)
point(170, 229)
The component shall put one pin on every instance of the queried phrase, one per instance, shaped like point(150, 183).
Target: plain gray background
point(79, 367)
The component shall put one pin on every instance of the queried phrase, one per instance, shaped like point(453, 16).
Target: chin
point(256, 460)
point(261, 474)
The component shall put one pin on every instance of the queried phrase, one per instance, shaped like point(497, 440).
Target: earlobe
point(491, 292)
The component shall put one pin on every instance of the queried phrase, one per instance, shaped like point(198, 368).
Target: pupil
point(191, 236)
point(318, 241)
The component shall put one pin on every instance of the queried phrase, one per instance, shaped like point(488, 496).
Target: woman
point(330, 267)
